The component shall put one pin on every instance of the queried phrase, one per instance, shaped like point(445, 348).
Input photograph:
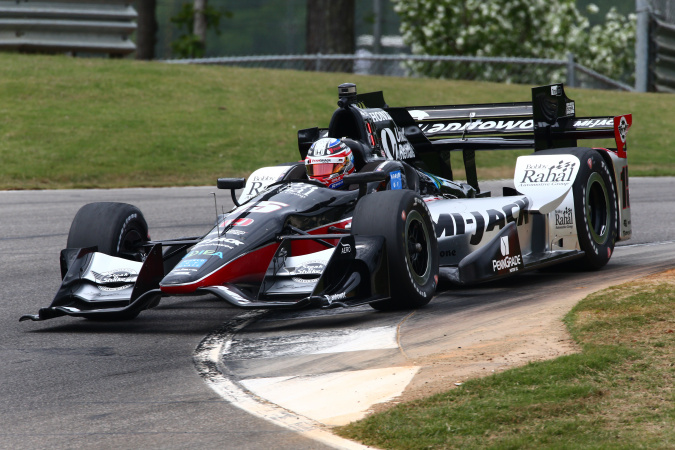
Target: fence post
point(571, 79)
point(317, 66)
point(642, 46)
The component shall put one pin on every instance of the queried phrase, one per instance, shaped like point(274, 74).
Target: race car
point(385, 233)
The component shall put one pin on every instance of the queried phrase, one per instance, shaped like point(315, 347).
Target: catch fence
point(505, 70)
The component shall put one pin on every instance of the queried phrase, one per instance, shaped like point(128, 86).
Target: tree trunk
point(146, 33)
point(200, 21)
point(330, 30)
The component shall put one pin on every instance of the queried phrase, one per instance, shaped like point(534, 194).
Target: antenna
point(215, 203)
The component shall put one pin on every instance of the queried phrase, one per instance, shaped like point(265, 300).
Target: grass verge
point(617, 393)
point(81, 123)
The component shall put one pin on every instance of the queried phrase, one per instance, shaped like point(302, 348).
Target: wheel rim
point(130, 241)
point(597, 208)
point(418, 247)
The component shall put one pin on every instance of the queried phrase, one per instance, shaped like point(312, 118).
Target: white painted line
point(330, 341)
point(207, 360)
point(334, 398)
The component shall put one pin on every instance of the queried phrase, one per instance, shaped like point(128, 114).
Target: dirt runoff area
point(515, 340)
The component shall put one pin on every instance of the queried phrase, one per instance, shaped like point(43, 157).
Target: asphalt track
point(73, 383)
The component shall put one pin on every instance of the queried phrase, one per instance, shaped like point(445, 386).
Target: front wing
point(99, 286)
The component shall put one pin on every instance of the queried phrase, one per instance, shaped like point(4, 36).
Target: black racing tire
point(402, 217)
point(595, 206)
point(117, 229)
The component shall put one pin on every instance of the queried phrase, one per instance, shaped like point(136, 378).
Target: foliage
point(514, 28)
point(189, 45)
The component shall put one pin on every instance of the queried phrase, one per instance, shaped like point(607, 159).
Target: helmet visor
point(320, 167)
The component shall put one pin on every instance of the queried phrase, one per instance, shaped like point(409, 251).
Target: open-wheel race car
point(383, 231)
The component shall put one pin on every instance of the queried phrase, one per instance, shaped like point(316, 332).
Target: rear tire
point(117, 229)
point(595, 205)
point(402, 217)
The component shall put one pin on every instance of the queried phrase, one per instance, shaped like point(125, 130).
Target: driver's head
point(328, 160)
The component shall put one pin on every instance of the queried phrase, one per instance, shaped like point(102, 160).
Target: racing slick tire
point(402, 217)
point(116, 229)
point(595, 207)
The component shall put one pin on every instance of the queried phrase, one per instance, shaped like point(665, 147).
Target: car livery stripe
point(249, 267)
point(306, 247)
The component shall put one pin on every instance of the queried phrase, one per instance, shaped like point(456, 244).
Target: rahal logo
point(563, 219)
point(623, 128)
point(555, 173)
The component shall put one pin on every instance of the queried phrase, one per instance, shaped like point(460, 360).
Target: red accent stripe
point(250, 267)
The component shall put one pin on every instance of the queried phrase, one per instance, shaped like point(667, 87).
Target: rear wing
point(548, 121)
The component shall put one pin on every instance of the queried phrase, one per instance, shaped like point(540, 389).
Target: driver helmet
point(328, 161)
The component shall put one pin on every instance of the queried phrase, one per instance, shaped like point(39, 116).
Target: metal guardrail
point(662, 56)
point(464, 67)
point(87, 26)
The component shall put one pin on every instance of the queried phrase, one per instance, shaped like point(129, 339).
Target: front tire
point(117, 229)
point(401, 216)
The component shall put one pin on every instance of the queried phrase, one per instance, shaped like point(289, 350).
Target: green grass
point(617, 393)
point(71, 123)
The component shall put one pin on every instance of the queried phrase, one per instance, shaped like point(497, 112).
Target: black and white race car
point(400, 222)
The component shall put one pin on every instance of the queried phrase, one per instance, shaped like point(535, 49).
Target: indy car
point(400, 221)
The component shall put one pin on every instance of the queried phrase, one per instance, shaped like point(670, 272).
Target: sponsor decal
point(555, 90)
point(507, 262)
point(346, 248)
point(265, 207)
point(340, 296)
point(396, 182)
point(395, 144)
point(564, 218)
point(192, 263)
point(454, 224)
point(490, 125)
point(236, 232)
point(337, 184)
point(590, 163)
point(504, 245)
point(236, 222)
point(311, 268)
point(127, 276)
point(204, 253)
point(593, 123)
point(548, 174)
point(623, 128)
point(569, 109)
point(260, 179)
point(325, 160)
point(379, 116)
point(625, 201)
point(418, 115)
point(447, 253)
point(300, 190)
point(219, 241)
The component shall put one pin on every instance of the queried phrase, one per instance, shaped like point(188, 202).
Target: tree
point(513, 28)
point(194, 20)
point(146, 34)
point(330, 27)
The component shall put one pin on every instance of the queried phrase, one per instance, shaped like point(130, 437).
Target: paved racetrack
point(69, 383)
